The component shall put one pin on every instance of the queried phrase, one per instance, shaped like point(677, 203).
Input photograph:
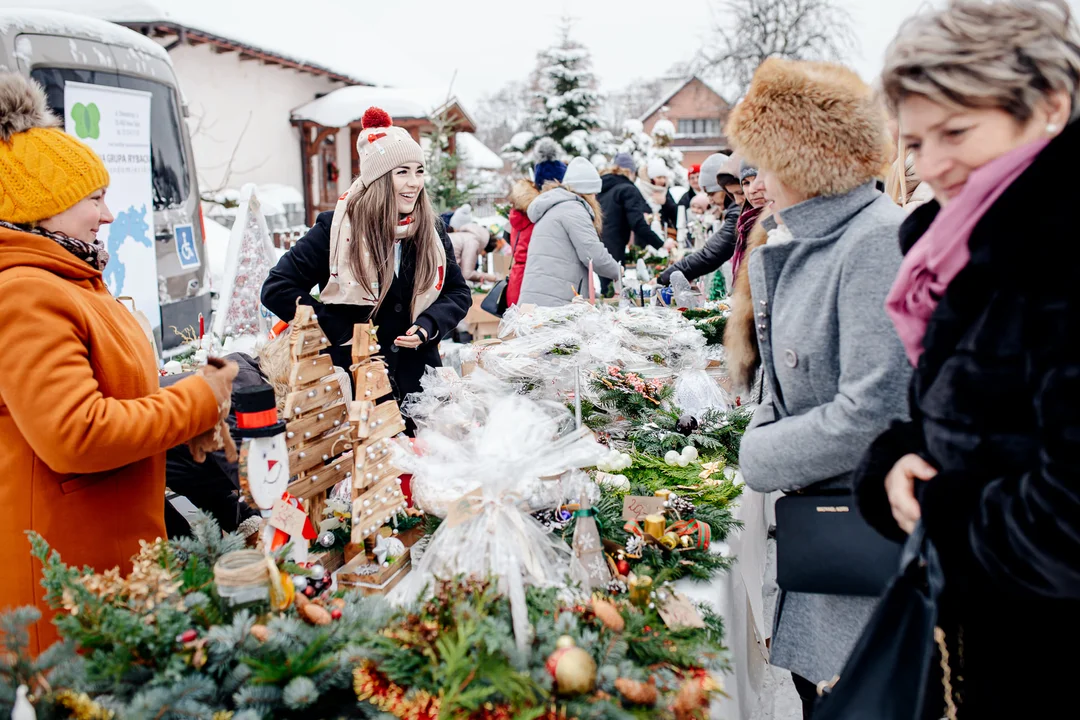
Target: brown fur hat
point(740, 333)
point(522, 193)
point(815, 125)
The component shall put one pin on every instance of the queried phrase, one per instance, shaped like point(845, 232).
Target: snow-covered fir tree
point(663, 135)
point(568, 96)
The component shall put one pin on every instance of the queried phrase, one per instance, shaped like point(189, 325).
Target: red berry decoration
point(335, 614)
point(648, 629)
point(187, 636)
point(376, 117)
point(310, 591)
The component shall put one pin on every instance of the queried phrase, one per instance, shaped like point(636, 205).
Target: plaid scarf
point(746, 222)
point(93, 254)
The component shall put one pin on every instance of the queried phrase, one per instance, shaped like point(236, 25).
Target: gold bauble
point(565, 642)
point(575, 672)
point(669, 540)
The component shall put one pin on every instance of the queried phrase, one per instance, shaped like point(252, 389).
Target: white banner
point(116, 123)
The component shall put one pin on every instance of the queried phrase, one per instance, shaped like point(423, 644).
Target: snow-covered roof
point(346, 105)
point(476, 155)
point(674, 88)
point(199, 16)
point(66, 24)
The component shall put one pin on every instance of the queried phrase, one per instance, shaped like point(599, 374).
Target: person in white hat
point(653, 183)
point(565, 239)
point(382, 255)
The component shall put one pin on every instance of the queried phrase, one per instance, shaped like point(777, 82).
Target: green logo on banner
point(87, 120)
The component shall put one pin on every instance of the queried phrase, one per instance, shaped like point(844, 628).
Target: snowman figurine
point(264, 457)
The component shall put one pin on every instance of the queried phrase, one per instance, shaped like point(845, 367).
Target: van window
point(172, 181)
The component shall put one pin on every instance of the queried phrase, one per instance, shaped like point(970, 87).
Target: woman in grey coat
point(809, 303)
point(565, 239)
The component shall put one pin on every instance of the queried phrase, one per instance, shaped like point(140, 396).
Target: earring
point(1052, 128)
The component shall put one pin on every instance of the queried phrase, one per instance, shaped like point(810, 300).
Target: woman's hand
point(413, 338)
point(219, 374)
point(900, 487)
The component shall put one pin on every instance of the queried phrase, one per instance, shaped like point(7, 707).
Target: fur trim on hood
point(522, 193)
point(740, 333)
point(816, 125)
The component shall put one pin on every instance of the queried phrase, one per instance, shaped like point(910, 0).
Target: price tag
point(636, 507)
point(678, 612)
point(287, 518)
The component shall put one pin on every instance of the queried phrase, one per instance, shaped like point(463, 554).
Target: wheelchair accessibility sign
point(185, 246)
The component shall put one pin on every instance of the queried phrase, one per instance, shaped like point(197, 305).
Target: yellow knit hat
point(43, 170)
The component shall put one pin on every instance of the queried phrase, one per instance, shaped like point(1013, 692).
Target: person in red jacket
point(522, 193)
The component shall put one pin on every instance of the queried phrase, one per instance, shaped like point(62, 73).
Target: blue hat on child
point(549, 167)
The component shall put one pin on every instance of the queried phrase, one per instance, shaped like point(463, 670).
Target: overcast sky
point(421, 43)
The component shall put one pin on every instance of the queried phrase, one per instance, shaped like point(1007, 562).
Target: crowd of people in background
point(896, 260)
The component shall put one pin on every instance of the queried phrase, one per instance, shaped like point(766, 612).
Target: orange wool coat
point(83, 424)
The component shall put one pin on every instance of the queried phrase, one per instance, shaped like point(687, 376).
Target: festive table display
point(566, 489)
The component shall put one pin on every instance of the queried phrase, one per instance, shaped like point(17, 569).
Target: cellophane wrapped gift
point(485, 483)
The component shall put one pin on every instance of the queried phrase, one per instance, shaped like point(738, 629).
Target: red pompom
point(375, 117)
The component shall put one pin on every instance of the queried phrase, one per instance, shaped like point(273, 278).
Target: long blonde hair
point(373, 216)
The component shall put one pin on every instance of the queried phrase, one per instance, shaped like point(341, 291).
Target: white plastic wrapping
point(485, 482)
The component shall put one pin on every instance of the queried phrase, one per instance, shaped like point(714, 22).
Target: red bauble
point(623, 567)
point(553, 660)
point(335, 614)
point(376, 117)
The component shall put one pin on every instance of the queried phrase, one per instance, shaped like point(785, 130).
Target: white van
point(56, 48)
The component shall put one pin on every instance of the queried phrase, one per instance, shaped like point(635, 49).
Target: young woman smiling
point(381, 254)
point(987, 306)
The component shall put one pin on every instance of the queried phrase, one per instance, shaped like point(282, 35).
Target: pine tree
point(443, 188)
point(567, 92)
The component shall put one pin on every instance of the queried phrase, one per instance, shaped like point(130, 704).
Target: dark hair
point(493, 242)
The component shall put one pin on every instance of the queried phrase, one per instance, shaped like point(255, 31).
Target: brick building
point(698, 113)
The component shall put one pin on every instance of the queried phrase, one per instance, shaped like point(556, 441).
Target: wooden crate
point(379, 582)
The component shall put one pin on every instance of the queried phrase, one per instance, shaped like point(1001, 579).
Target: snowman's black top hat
point(256, 412)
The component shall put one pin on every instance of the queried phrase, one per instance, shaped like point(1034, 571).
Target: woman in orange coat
point(83, 425)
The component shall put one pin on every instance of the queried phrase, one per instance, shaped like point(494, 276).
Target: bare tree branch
point(749, 31)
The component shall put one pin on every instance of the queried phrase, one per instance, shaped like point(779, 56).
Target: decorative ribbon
point(250, 420)
point(589, 512)
point(692, 528)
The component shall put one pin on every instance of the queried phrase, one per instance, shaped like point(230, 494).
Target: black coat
point(669, 212)
point(716, 251)
point(307, 264)
point(214, 485)
point(624, 211)
point(995, 406)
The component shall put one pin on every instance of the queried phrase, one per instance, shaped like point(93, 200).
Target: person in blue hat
point(549, 166)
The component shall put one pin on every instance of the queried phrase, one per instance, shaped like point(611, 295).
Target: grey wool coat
point(836, 375)
point(563, 242)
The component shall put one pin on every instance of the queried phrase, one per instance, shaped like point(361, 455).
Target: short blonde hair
point(1005, 54)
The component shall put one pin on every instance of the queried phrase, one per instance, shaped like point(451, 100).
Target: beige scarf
point(343, 288)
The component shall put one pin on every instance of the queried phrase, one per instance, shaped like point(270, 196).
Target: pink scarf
point(943, 251)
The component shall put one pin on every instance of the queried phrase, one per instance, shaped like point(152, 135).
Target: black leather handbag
point(888, 672)
point(495, 302)
point(824, 546)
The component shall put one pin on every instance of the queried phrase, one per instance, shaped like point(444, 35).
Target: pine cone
point(608, 614)
point(260, 632)
point(636, 692)
point(617, 587)
point(683, 507)
point(315, 614)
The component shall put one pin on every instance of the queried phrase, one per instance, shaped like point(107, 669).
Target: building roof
point(196, 21)
point(476, 155)
point(346, 105)
point(673, 89)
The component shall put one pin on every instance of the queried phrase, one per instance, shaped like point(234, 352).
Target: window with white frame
point(698, 127)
